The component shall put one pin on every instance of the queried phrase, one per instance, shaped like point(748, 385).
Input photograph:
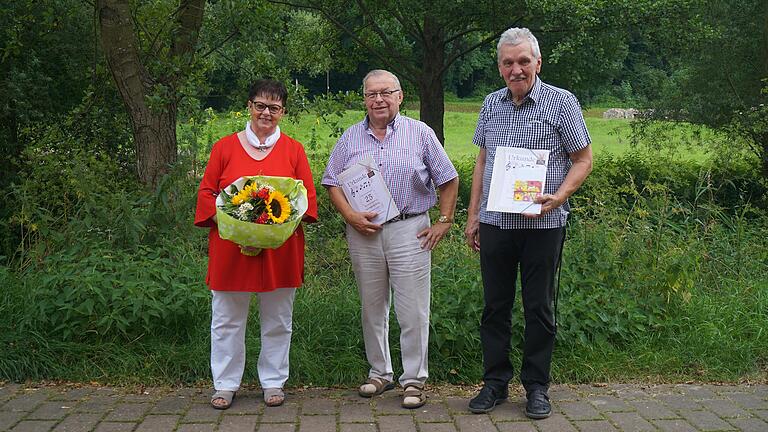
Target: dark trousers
point(537, 253)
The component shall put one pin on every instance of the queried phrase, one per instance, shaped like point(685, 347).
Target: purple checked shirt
point(411, 160)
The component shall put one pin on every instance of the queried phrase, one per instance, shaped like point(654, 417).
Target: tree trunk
point(154, 128)
point(431, 79)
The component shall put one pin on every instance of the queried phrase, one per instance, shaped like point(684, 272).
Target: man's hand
point(548, 203)
point(472, 233)
point(361, 222)
point(432, 235)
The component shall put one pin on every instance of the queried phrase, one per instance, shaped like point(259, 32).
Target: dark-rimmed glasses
point(384, 94)
point(259, 107)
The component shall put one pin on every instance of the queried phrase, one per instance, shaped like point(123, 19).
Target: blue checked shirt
point(410, 157)
point(549, 118)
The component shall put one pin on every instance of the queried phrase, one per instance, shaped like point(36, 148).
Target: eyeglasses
point(384, 94)
point(259, 107)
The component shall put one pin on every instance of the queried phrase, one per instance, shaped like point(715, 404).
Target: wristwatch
point(445, 219)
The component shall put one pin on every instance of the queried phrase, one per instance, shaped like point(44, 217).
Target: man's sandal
point(224, 395)
point(413, 397)
point(274, 397)
point(375, 386)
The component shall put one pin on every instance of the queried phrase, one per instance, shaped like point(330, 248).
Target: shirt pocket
point(542, 134)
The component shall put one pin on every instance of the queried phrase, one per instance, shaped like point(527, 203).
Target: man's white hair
point(377, 72)
point(516, 36)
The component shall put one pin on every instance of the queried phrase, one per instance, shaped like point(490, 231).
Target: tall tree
point(419, 40)
point(149, 72)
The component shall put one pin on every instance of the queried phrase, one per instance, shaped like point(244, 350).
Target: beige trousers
point(388, 263)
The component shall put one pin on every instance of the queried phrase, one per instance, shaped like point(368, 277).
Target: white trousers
point(392, 262)
point(228, 322)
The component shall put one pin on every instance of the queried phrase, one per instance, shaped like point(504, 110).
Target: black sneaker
point(487, 399)
point(538, 406)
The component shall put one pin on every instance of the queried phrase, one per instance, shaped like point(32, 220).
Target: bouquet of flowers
point(260, 211)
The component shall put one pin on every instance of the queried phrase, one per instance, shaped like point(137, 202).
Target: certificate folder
point(366, 191)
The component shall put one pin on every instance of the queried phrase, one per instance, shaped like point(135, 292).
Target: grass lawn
point(608, 136)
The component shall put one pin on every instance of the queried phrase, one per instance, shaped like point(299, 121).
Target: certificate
point(517, 180)
point(365, 190)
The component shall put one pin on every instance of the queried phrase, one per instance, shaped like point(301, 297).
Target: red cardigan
point(228, 269)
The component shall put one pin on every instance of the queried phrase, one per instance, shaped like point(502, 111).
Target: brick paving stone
point(629, 391)
point(697, 392)
point(277, 427)
point(674, 426)
point(200, 413)
point(245, 405)
point(605, 403)
point(318, 423)
point(562, 393)
point(437, 427)
point(630, 422)
point(396, 423)
point(154, 423)
point(358, 427)
point(510, 411)
point(435, 411)
point(96, 404)
point(128, 412)
point(516, 427)
point(8, 419)
point(318, 406)
point(390, 404)
point(457, 404)
point(27, 400)
point(51, 411)
point(705, 420)
point(78, 423)
point(555, 423)
point(171, 405)
point(115, 427)
point(285, 413)
point(594, 426)
point(139, 398)
point(196, 427)
point(8, 391)
point(725, 408)
point(34, 426)
point(748, 400)
point(579, 410)
point(652, 410)
point(350, 412)
point(475, 423)
point(238, 423)
point(763, 414)
point(749, 424)
point(678, 402)
point(73, 394)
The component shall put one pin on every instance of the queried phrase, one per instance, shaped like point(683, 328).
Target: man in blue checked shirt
point(531, 114)
point(395, 256)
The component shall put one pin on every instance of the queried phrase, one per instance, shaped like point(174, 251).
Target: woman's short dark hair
point(269, 88)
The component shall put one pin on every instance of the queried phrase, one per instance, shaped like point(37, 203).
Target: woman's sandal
point(413, 397)
point(274, 397)
point(374, 387)
point(226, 396)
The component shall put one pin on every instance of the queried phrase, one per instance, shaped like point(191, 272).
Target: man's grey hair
point(377, 72)
point(516, 36)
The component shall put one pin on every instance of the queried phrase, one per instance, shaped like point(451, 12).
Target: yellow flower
point(241, 196)
point(278, 207)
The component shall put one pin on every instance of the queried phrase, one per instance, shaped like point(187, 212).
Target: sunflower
point(278, 207)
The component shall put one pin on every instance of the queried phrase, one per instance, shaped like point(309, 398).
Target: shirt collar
point(534, 94)
point(394, 123)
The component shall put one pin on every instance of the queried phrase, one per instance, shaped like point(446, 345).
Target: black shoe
point(538, 406)
point(487, 399)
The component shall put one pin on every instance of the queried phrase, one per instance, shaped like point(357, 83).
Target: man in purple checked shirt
point(394, 257)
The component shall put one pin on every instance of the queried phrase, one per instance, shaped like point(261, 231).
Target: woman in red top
point(274, 274)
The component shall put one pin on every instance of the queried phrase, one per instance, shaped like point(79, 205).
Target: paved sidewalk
point(623, 407)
